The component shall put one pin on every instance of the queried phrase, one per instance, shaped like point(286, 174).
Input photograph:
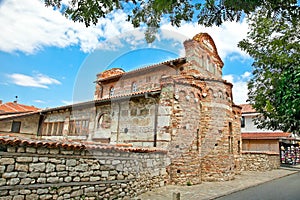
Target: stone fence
point(260, 161)
point(47, 170)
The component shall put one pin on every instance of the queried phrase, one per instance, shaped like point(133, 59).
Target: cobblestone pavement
point(212, 190)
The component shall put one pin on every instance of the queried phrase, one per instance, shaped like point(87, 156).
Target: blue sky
point(47, 60)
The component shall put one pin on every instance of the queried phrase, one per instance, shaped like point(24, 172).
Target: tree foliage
point(274, 90)
point(150, 12)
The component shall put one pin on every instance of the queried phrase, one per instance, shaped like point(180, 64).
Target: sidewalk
point(212, 190)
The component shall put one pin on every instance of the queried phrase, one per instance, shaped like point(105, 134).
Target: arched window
point(111, 91)
point(134, 87)
point(207, 63)
point(104, 121)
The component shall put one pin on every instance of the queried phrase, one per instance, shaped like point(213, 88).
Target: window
point(230, 139)
point(85, 126)
point(111, 91)
point(49, 129)
point(243, 122)
point(148, 79)
point(15, 127)
point(104, 121)
point(60, 128)
point(79, 127)
point(53, 129)
point(207, 63)
point(231, 145)
point(230, 128)
point(134, 87)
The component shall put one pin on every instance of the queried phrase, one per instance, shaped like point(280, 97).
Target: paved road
point(212, 190)
point(285, 188)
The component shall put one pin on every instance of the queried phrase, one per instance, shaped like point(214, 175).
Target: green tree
point(150, 12)
point(274, 90)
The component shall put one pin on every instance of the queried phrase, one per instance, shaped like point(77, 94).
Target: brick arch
point(103, 120)
point(205, 40)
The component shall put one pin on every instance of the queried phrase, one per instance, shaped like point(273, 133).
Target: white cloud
point(28, 26)
point(246, 75)
point(38, 80)
point(226, 36)
point(228, 78)
point(39, 101)
point(240, 88)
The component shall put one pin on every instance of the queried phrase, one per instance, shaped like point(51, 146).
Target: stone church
point(182, 106)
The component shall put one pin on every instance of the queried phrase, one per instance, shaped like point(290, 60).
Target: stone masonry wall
point(218, 136)
point(57, 173)
point(185, 149)
point(260, 161)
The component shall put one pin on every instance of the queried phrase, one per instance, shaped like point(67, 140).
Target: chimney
point(16, 101)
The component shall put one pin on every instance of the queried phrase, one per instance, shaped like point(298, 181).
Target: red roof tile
point(247, 108)
point(131, 94)
point(141, 69)
point(108, 99)
point(12, 107)
point(265, 135)
point(8, 116)
point(72, 145)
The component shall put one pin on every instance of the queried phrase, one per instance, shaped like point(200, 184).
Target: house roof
point(17, 115)
point(247, 108)
point(105, 100)
point(14, 107)
point(265, 135)
point(109, 75)
point(72, 145)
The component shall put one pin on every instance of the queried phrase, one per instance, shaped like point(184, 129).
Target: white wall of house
point(250, 126)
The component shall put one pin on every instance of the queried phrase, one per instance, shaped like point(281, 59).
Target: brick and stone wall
point(32, 172)
point(260, 161)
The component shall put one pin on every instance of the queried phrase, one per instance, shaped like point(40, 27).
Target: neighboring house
point(182, 105)
point(18, 119)
point(262, 140)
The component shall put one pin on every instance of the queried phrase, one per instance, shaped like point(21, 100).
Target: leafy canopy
point(150, 12)
point(274, 90)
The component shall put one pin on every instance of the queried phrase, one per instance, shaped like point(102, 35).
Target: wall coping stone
point(73, 145)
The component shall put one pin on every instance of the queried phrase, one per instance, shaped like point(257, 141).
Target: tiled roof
point(72, 145)
point(131, 94)
point(142, 69)
point(12, 107)
point(93, 102)
point(247, 108)
point(265, 135)
point(17, 115)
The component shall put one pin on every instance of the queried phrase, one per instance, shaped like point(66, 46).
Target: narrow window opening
point(134, 87)
point(111, 91)
point(16, 126)
point(243, 122)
